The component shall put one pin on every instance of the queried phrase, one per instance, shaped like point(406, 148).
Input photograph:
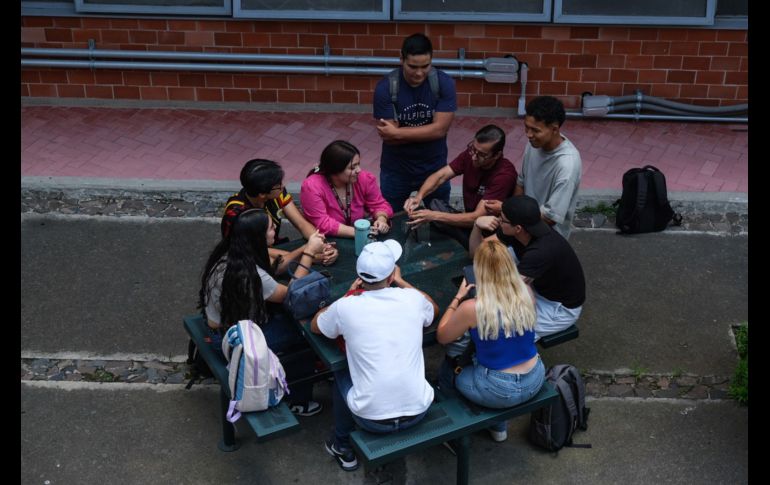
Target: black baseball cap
point(525, 211)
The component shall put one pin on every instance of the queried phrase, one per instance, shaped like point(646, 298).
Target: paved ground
point(660, 307)
point(102, 299)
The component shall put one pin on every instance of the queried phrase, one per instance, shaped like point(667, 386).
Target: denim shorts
point(496, 389)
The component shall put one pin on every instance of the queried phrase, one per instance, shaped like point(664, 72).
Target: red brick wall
point(702, 66)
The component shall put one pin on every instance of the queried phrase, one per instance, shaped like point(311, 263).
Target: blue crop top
point(502, 352)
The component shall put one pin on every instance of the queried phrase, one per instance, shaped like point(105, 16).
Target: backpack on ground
point(643, 206)
point(552, 427)
point(394, 78)
point(256, 377)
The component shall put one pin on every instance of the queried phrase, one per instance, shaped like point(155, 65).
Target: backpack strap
point(660, 188)
point(296, 263)
point(660, 184)
point(581, 398)
point(641, 189)
point(393, 80)
point(433, 82)
point(569, 400)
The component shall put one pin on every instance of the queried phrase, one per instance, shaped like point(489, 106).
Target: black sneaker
point(346, 459)
point(310, 408)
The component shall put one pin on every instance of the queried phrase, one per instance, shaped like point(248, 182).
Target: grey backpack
point(552, 427)
point(393, 82)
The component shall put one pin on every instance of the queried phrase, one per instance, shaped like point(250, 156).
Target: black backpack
point(643, 206)
point(551, 427)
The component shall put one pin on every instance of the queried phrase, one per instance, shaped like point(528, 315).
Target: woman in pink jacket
point(337, 192)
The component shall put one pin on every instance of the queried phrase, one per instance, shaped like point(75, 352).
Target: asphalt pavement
point(101, 287)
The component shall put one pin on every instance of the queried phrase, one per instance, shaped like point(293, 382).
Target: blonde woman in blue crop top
point(507, 369)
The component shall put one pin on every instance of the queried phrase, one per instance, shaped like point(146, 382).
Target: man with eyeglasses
point(413, 111)
point(487, 176)
point(262, 182)
point(545, 260)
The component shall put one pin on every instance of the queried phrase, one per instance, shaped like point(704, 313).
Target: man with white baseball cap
point(384, 388)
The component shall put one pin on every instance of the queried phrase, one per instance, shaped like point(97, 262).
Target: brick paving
point(195, 144)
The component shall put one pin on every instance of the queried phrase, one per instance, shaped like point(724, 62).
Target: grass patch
point(638, 371)
point(739, 387)
point(599, 208)
point(100, 375)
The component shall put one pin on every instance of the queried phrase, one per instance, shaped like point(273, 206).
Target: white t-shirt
point(214, 309)
point(383, 338)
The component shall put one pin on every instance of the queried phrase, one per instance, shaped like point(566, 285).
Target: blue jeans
point(281, 335)
point(495, 389)
point(345, 420)
point(397, 187)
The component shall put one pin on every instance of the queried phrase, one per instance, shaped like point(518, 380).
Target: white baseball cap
point(378, 260)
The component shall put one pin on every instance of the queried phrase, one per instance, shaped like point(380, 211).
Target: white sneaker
point(499, 436)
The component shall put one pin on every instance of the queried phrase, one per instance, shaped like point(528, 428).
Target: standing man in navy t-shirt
point(414, 145)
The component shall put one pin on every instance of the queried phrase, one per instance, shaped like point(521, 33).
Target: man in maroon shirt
point(487, 176)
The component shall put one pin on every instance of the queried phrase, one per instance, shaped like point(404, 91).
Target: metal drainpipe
point(522, 111)
point(637, 117)
point(215, 56)
point(265, 68)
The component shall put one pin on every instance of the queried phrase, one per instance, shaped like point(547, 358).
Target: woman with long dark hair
point(507, 369)
point(337, 192)
point(238, 284)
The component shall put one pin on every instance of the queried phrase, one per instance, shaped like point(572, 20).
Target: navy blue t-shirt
point(415, 108)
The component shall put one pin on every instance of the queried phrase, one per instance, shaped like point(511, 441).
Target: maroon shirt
point(496, 183)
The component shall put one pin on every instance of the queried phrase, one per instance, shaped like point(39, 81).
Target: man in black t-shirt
point(544, 258)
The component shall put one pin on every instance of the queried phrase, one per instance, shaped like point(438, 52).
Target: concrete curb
point(717, 212)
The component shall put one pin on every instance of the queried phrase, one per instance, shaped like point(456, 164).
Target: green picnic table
point(429, 264)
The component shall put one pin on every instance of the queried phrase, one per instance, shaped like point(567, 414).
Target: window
point(313, 9)
point(729, 14)
point(640, 12)
point(491, 10)
point(197, 7)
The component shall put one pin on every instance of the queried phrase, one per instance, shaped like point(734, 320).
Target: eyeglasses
point(503, 221)
point(480, 156)
point(277, 187)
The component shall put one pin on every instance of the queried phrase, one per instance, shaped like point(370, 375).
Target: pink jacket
point(321, 207)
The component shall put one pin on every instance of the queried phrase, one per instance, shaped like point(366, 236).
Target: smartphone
point(470, 278)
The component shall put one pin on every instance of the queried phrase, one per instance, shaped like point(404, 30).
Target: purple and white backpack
point(257, 380)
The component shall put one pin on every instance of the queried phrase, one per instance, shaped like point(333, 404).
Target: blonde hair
point(503, 301)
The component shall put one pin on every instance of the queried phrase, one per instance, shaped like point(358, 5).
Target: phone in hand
point(470, 278)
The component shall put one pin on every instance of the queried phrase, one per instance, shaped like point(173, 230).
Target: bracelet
point(308, 254)
point(458, 300)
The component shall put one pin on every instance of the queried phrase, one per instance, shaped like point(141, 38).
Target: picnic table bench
point(271, 423)
point(448, 419)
